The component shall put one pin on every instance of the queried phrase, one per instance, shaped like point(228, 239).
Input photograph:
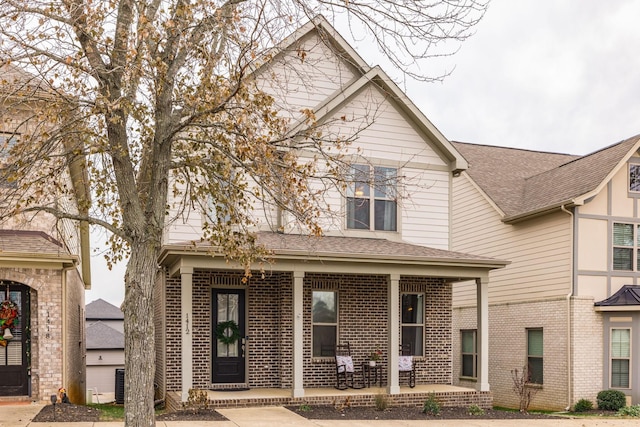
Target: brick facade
point(362, 312)
point(507, 349)
point(49, 330)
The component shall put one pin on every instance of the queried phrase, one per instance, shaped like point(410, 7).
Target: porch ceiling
point(292, 252)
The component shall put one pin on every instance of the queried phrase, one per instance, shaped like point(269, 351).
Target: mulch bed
point(67, 412)
point(406, 413)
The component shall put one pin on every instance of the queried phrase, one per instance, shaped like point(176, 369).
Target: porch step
point(14, 400)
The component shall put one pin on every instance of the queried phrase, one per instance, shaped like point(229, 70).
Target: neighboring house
point(105, 345)
point(44, 270)
point(567, 306)
point(372, 283)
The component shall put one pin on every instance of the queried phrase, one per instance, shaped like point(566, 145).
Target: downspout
point(568, 299)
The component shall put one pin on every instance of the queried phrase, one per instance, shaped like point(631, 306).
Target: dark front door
point(228, 336)
point(13, 350)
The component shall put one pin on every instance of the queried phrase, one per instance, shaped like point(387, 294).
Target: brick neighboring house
point(568, 304)
point(44, 270)
point(105, 345)
point(379, 283)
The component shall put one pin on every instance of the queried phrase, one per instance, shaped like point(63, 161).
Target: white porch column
point(393, 386)
point(482, 295)
point(186, 298)
point(298, 334)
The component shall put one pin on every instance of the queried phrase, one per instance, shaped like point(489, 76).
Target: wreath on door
point(8, 313)
point(227, 332)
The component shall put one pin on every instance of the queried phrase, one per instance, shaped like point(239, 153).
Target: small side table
point(368, 370)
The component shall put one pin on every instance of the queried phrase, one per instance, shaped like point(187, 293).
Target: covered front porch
point(373, 284)
point(447, 395)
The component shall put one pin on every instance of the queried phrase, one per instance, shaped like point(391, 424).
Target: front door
point(228, 336)
point(13, 340)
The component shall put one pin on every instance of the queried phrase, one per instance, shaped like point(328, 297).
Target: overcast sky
point(561, 76)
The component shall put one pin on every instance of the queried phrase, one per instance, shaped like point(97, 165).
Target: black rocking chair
point(406, 364)
point(348, 374)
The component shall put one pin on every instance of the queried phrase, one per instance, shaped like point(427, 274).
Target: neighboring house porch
point(376, 294)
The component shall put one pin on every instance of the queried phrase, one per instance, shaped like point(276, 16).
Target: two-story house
point(567, 305)
point(44, 269)
point(105, 348)
point(382, 275)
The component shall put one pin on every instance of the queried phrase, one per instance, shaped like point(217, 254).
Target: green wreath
point(228, 332)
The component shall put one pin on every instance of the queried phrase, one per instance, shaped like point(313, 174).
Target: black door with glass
point(228, 336)
point(14, 366)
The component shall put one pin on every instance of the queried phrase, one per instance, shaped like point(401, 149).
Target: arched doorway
point(14, 347)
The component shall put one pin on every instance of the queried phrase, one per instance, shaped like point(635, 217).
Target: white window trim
point(359, 232)
point(621, 358)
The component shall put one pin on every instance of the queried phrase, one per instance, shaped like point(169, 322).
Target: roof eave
point(513, 219)
point(299, 255)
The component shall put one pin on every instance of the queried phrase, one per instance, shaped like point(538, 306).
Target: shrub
point(583, 405)
point(304, 408)
point(382, 402)
point(629, 411)
point(431, 405)
point(475, 410)
point(523, 388)
point(197, 399)
point(611, 400)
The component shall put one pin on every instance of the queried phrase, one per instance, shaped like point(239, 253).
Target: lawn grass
point(109, 411)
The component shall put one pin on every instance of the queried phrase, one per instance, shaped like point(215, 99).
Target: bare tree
point(163, 97)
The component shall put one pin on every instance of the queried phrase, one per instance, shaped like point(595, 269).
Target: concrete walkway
point(21, 416)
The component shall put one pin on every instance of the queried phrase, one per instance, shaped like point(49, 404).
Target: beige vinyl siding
point(305, 76)
point(539, 249)
point(425, 209)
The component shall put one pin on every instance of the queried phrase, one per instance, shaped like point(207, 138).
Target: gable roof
point(524, 183)
point(627, 297)
point(101, 336)
point(101, 309)
point(368, 75)
point(34, 246)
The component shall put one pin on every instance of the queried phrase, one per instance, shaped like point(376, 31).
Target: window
point(324, 320)
point(634, 177)
point(7, 172)
point(625, 247)
point(381, 203)
point(469, 353)
point(534, 355)
point(620, 357)
point(413, 323)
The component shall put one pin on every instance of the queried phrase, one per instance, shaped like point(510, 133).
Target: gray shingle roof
point(101, 336)
point(351, 249)
point(102, 310)
point(353, 246)
point(523, 181)
point(28, 242)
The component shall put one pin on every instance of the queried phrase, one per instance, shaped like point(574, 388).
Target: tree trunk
point(139, 333)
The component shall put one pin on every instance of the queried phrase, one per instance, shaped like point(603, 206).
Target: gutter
point(569, 317)
point(542, 211)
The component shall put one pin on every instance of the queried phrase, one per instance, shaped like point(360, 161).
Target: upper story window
point(634, 177)
point(625, 246)
point(7, 140)
point(377, 201)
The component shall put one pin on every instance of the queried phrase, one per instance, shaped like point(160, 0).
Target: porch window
point(535, 355)
point(324, 322)
point(413, 322)
point(381, 203)
point(469, 353)
point(626, 241)
point(620, 357)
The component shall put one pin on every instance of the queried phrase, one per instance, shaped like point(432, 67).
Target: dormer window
point(372, 193)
